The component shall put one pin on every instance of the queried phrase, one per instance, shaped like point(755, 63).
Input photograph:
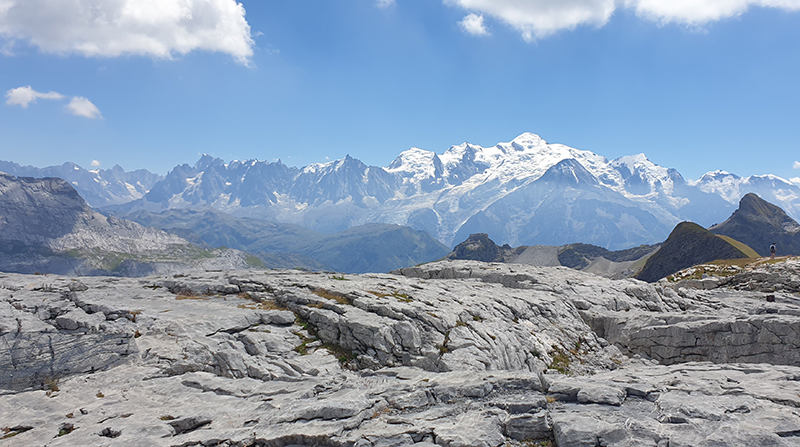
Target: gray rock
point(528, 426)
point(468, 361)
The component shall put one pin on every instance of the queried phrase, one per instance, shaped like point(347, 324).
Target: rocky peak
point(689, 244)
point(758, 224)
point(570, 172)
point(478, 247)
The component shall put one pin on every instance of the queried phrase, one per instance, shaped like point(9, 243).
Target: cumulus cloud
point(80, 106)
point(796, 165)
point(540, 18)
point(110, 28)
point(95, 163)
point(795, 180)
point(473, 24)
point(23, 96)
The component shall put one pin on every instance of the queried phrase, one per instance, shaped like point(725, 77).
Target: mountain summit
point(758, 224)
point(689, 244)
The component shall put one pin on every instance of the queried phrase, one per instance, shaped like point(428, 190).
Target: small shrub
point(167, 418)
point(100, 395)
point(342, 354)
point(10, 432)
point(338, 278)
point(51, 384)
point(65, 429)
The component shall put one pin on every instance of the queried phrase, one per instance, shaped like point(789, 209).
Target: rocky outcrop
point(46, 227)
point(450, 354)
point(759, 224)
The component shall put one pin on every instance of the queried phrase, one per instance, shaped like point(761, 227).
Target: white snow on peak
point(632, 161)
point(722, 183)
point(529, 139)
point(770, 177)
point(315, 168)
point(416, 162)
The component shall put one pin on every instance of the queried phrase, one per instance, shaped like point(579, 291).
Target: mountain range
point(523, 192)
point(99, 187)
point(46, 227)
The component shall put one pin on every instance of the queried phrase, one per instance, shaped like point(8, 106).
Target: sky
point(696, 85)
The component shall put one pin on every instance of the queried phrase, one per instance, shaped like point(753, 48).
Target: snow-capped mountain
point(100, 187)
point(525, 191)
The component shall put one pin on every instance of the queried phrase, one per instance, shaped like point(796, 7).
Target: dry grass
point(379, 294)
point(400, 296)
point(262, 305)
point(189, 296)
point(333, 296)
point(560, 361)
point(726, 267)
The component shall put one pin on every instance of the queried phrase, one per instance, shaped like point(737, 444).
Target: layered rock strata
point(451, 354)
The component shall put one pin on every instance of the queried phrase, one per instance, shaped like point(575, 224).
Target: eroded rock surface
point(451, 354)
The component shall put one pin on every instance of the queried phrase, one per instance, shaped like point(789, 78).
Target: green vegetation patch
point(253, 261)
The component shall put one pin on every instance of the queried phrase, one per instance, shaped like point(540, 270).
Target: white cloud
point(795, 180)
point(383, 4)
point(110, 28)
point(796, 165)
point(473, 24)
point(699, 12)
point(23, 96)
point(540, 18)
point(95, 163)
point(80, 106)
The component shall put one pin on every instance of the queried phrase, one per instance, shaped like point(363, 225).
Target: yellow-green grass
point(744, 248)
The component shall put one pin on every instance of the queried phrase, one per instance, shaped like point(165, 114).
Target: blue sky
point(696, 85)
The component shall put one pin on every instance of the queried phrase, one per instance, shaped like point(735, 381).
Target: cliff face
point(758, 224)
point(689, 244)
point(45, 226)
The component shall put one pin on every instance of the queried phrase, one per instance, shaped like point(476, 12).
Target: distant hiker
point(772, 249)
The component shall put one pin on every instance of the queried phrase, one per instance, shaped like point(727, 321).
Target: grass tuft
point(560, 360)
point(333, 296)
